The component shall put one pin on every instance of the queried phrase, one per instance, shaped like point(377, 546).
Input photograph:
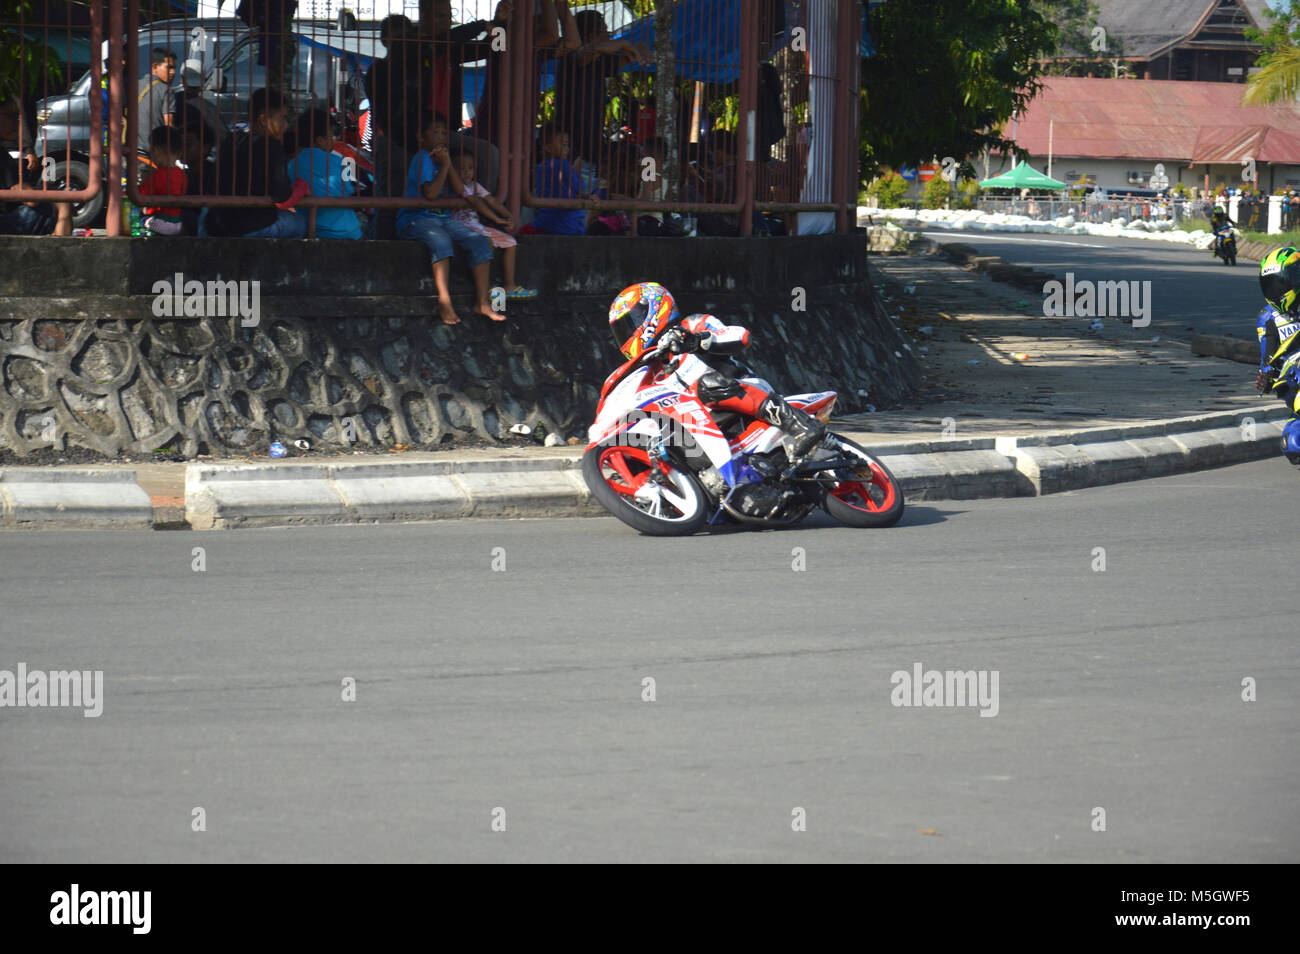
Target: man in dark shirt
point(25, 218)
point(394, 93)
point(444, 51)
point(580, 79)
point(546, 36)
point(254, 163)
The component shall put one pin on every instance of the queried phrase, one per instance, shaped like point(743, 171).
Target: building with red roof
point(1112, 133)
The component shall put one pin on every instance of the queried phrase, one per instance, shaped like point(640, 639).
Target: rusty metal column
point(748, 111)
point(845, 62)
point(520, 100)
point(851, 112)
point(116, 94)
point(504, 105)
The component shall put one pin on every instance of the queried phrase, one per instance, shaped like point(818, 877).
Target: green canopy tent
point(1023, 176)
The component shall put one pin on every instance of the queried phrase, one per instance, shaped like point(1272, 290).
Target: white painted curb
point(53, 498)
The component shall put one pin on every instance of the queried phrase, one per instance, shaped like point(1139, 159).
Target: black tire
point(852, 516)
point(77, 176)
point(620, 506)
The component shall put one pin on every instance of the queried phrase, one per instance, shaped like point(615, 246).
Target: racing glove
point(1264, 381)
point(682, 341)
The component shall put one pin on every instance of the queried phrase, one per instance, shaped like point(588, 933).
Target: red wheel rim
point(630, 466)
point(857, 494)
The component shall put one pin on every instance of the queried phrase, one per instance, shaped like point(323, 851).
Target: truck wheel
point(76, 174)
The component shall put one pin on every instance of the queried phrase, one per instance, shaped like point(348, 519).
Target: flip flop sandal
point(520, 292)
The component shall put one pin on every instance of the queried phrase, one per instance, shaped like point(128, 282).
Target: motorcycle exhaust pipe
point(761, 521)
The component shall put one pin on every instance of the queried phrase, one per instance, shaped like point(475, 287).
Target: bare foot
point(449, 316)
point(484, 309)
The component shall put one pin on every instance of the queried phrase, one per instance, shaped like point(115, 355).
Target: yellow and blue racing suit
point(1279, 369)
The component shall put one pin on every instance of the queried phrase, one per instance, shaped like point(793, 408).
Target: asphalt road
point(1189, 289)
point(522, 689)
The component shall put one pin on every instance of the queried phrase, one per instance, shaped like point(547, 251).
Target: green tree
point(1083, 45)
point(968, 191)
point(936, 193)
point(36, 64)
point(888, 189)
point(948, 74)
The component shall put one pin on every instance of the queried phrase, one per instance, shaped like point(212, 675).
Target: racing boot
point(805, 429)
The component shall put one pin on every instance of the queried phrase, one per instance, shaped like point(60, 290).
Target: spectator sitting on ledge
point(167, 178)
point(254, 164)
point(556, 179)
point(25, 218)
point(430, 176)
point(319, 165)
point(500, 238)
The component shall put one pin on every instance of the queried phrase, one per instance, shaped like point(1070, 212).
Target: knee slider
point(713, 386)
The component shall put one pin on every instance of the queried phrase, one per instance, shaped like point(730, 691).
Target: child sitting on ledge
point(498, 214)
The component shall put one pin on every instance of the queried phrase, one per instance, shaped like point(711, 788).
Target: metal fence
point(1291, 215)
point(728, 113)
point(1098, 211)
point(45, 46)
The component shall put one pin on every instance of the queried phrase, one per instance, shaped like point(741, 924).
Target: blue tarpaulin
point(706, 39)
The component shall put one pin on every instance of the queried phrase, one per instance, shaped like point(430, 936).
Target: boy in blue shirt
point(429, 176)
point(322, 168)
point(556, 179)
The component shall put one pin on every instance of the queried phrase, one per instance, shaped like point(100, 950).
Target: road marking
point(1016, 238)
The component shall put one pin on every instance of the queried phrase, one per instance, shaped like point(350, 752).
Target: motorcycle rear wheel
point(873, 500)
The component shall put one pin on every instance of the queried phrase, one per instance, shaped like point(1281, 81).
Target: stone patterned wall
point(100, 372)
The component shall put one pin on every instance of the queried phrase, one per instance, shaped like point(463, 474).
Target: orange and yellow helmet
point(639, 315)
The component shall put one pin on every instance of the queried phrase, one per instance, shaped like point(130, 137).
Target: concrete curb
point(289, 493)
point(43, 498)
point(1057, 461)
point(222, 496)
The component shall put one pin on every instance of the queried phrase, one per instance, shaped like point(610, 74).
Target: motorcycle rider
point(1278, 328)
point(703, 348)
point(1218, 221)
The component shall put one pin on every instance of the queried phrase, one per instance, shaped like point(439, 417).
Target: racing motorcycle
point(666, 464)
point(1225, 245)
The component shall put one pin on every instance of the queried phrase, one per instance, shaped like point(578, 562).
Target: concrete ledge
point(956, 475)
point(48, 498)
point(285, 493)
point(1053, 468)
point(414, 497)
point(250, 495)
point(1220, 346)
point(222, 496)
point(1240, 419)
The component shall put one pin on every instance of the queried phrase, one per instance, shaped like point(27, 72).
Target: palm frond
point(1277, 81)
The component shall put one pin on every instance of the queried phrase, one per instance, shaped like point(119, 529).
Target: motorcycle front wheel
point(620, 477)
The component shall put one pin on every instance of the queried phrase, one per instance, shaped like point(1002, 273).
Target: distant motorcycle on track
point(1225, 245)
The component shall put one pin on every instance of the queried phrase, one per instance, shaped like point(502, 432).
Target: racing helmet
point(1279, 279)
point(639, 315)
point(1218, 210)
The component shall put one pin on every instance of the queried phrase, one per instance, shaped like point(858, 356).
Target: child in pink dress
point(499, 214)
